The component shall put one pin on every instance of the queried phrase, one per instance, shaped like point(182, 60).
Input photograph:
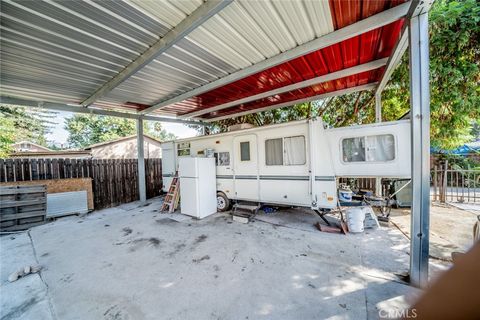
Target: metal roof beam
point(81, 109)
point(394, 60)
point(291, 103)
point(417, 7)
point(190, 23)
point(373, 22)
point(372, 65)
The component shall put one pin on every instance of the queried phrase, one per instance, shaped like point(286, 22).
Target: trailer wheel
point(223, 203)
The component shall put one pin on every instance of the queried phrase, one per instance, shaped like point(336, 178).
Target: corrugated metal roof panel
point(349, 53)
point(135, 15)
point(95, 39)
point(56, 50)
point(44, 34)
point(169, 13)
point(240, 20)
point(58, 20)
point(318, 89)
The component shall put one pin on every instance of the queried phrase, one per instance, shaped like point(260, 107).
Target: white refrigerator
point(198, 186)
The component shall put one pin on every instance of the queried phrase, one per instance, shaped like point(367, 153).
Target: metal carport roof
point(194, 59)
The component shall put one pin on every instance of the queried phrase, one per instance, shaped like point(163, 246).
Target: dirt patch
point(126, 231)
point(140, 242)
point(166, 221)
point(67, 278)
point(216, 268)
point(201, 238)
point(178, 247)
point(206, 257)
point(114, 313)
point(152, 241)
point(155, 242)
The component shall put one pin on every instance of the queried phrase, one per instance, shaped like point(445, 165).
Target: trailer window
point(222, 158)
point(183, 149)
point(369, 149)
point(294, 150)
point(353, 149)
point(273, 152)
point(380, 147)
point(183, 152)
point(245, 151)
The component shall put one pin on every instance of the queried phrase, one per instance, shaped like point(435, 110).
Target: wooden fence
point(114, 181)
point(359, 183)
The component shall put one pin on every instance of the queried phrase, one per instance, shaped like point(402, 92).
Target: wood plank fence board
point(114, 181)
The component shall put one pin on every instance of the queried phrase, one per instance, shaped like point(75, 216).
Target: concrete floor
point(451, 228)
point(132, 262)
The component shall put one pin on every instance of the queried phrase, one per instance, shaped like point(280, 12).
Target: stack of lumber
point(22, 207)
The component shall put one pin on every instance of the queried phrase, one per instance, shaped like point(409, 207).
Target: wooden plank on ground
point(14, 216)
point(22, 226)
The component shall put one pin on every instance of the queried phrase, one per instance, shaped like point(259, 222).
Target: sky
point(59, 135)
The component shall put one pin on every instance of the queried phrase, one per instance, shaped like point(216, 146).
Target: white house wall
point(127, 149)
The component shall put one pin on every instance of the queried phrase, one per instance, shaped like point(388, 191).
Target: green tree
point(7, 136)
point(296, 112)
point(154, 129)
point(23, 123)
point(455, 84)
point(454, 74)
point(85, 130)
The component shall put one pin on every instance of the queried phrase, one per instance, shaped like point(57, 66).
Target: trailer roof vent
point(240, 126)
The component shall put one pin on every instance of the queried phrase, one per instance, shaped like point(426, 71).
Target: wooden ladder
point(170, 203)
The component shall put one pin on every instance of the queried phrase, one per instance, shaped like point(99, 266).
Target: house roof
point(101, 144)
point(53, 153)
point(197, 59)
point(34, 144)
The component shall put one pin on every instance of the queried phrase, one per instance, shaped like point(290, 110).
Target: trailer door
point(245, 167)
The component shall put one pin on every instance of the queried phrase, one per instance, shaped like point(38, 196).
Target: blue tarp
point(461, 151)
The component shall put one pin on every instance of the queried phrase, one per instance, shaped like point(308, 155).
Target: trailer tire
point(223, 203)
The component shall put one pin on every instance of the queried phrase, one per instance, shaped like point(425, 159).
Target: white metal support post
point(141, 162)
point(420, 135)
point(378, 118)
point(378, 107)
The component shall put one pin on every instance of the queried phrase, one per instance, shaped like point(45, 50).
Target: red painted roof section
point(325, 87)
point(373, 45)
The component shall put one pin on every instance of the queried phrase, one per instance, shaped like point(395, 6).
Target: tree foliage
point(22, 123)
point(454, 80)
point(454, 74)
point(7, 136)
point(85, 130)
point(299, 111)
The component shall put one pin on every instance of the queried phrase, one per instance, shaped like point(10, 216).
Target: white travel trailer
point(295, 163)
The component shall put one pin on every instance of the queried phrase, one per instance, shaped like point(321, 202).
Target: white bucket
point(355, 218)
